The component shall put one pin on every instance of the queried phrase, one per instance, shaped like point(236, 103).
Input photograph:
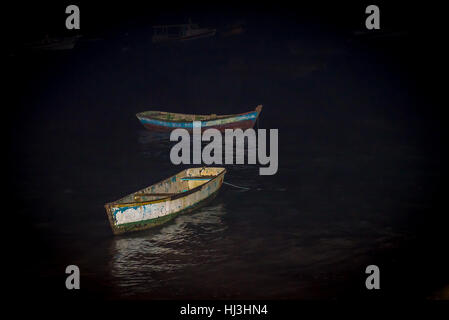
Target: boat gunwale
point(115, 204)
point(218, 117)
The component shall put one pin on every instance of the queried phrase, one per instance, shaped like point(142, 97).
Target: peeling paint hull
point(235, 125)
point(161, 202)
point(167, 121)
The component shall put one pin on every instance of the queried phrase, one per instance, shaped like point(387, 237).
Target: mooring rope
point(233, 185)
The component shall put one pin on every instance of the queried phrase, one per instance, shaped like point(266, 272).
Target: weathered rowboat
point(167, 121)
point(180, 32)
point(160, 202)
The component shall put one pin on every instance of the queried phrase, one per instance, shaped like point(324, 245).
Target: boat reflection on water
point(144, 261)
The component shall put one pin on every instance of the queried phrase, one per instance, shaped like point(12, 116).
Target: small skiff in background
point(167, 121)
point(162, 201)
point(55, 43)
point(180, 32)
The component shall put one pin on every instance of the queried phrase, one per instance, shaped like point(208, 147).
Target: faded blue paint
point(209, 123)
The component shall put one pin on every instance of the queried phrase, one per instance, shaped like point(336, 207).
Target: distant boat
point(373, 34)
point(167, 121)
point(64, 43)
point(160, 202)
point(180, 32)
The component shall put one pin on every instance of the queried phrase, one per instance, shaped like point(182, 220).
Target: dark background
point(70, 136)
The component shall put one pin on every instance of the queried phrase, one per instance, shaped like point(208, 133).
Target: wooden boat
point(180, 32)
point(65, 43)
point(160, 202)
point(167, 121)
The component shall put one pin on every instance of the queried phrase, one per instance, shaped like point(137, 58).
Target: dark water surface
point(358, 180)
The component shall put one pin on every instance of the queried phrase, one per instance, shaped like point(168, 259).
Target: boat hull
point(205, 34)
point(151, 223)
point(235, 125)
point(239, 121)
point(135, 217)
